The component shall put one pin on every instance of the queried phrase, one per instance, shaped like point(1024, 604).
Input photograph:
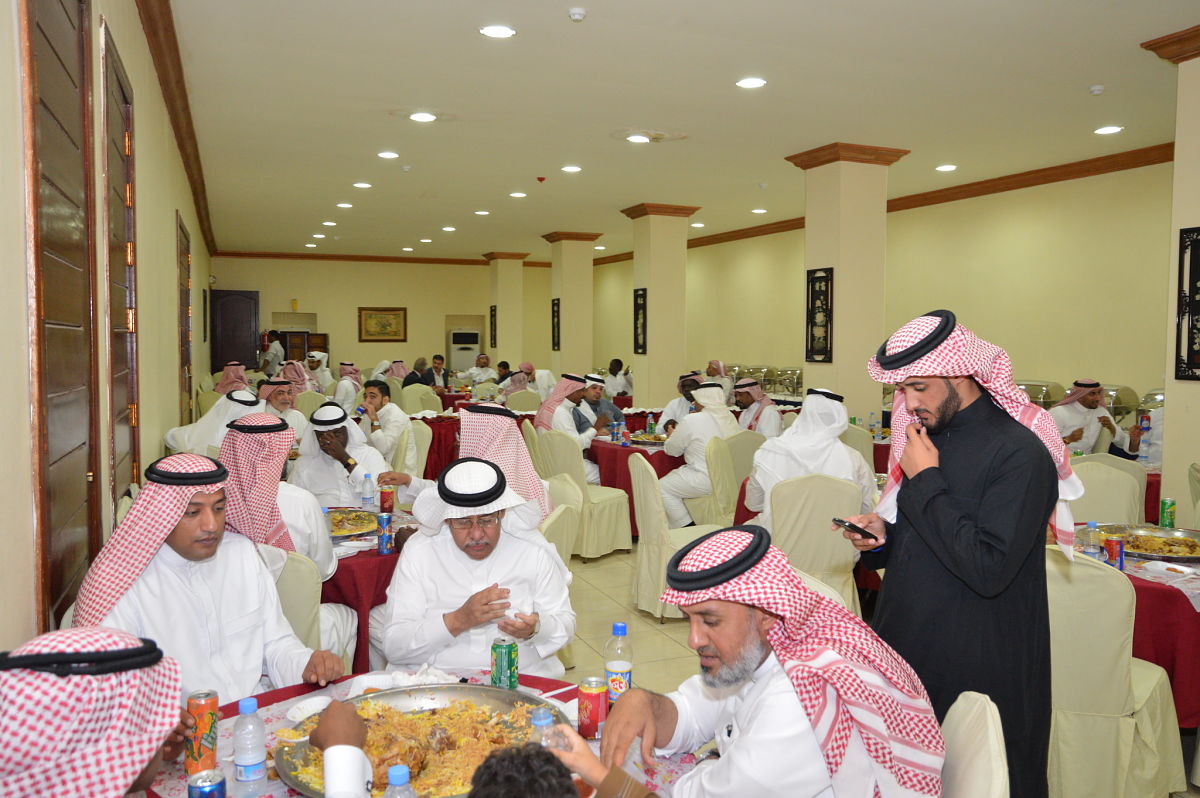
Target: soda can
point(1114, 547)
point(387, 541)
point(1166, 513)
point(200, 748)
point(206, 784)
point(504, 663)
point(387, 498)
point(593, 706)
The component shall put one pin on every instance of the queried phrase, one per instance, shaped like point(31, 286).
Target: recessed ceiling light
point(638, 138)
point(498, 31)
point(362, 185)
point(946, 167)
point(1108, 130)
point(318, 235)
point(310, 245)
point(572, 169)
point(449, 229)
point(482, 213)
point(329, 224)
point(759, 210)
point(407, 249)
point(518, 194)
point(345, 205)
point(426, 240)
point(751, 83)
point(697, 224)
point(600, 248)
point(422, 116)
point(389, 155)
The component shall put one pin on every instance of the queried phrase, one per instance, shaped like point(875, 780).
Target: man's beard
point(740, 670)
point(946, 410)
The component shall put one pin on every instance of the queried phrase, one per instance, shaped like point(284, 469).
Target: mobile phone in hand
point(844, 524)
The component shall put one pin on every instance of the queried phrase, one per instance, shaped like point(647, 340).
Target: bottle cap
point(1092, 525)
point(397, 775)
point(248, 706)
point(541, 716)
point(619, 629)
point(368, 476)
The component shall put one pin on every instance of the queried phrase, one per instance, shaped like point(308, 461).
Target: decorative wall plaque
point(818, 340)
point(639, 321)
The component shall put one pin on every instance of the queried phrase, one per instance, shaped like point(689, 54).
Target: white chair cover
point(308, 401)
point(561, 528)
point(205, 401)
point(418, 397)
point(605, 517)
point(1110, 496)
point(1130, 467)
point(205, 383)
point(395, 385)
point(742, 447)
point(423, 436)
point(717, 507)
point(400, 455)
point(522, 401)
point(1194, 482)
point(534, 447)
point(859, 439)
point(976, 763)
point(789, 419)
point(299, 586)
point(485, 390)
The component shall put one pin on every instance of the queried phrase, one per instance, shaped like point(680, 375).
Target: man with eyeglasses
point(468, 580)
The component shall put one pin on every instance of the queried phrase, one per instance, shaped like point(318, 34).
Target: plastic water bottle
point(249, 751)
point(651, 427)
point(1143, 448)
point(618, 662)
point(398, 784)
point(544, 733)
point(873, 426)
point(368, 493)
point(1091, 542)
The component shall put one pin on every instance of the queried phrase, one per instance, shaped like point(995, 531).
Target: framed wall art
point(818, 326)
point(555, 341)
point(639, 321)
point(383, 325)
point(1187, 311)
point(492, 327)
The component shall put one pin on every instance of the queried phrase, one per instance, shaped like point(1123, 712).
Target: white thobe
point(564, 422)
point(767, 419)
point(1075, 416)
point(271, 359)
point(760, 484)
point(767, 744)
point(690, 480)
point(346, 394)
point(676, 410)
point(341, 489)
point(393, 422)
point(615, 384)
point(294, 418)
point(435, 577)
point(220, 618)
point(478, 374)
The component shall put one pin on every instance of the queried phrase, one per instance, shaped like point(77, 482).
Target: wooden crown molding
point(534, 264)
point(770, 228)
point(841, 151)
point(563, 235)
point(490, 256)
point(1177, 47)
point(159, 26)
point(658, 209)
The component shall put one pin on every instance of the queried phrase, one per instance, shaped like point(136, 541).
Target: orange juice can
point(593, 706)
point(200, 748)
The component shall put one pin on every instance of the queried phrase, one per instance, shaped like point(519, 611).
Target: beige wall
point(612, 321)
point(537, 320)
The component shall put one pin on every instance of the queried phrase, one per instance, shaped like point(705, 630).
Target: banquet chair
point(976, 763)
point(299, 587)
point(254, 377)
point(719, 505)
point(801, 509)
point(742, 446)
point(657, 542)
point(122, 508)
point(604, 523)
point(523, 401)
point(205, 402)
point(1115, 732)
point(1194, 482)
point(308, 401)
point(1130, 467)
point(415, 398)
point(534, 447)
point(565, 493)
point(789, 419)
point(561, 528)
point(1110, 496)
point(485, 390)
point(206, 383)
point(400, 455)
point(395, 385)
point(423, 435)
point(860, 441)
point(1103, 441)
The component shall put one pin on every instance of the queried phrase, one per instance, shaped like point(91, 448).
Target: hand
point(340, 724)
point(1135, 434)
point(483, 607)
point(920, 453)
point(323, 667)
point(1107, 423)
point(602, 422)
point(632, 716)
point(439, 390)
point(173, 746)
point(372, 410)
point(331, 446)
point(870, 522)
point(394, 478)
point(523, 628)
point(580, 759)
point(1074, 436)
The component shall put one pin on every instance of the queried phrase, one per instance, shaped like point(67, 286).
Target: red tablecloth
point(1166, 631)
point(360, 582)
point(613, 460)
point(448, 399)
point(444, 446)
point(623, 402)
point(882, 450)
point(742, 513)
point(1153, 493)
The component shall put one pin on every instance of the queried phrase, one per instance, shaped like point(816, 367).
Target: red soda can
point(1114, 547)
point(593, 706)
point(200, 748)
point(387, 498)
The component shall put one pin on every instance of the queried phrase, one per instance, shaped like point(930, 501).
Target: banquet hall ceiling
point(292, 100)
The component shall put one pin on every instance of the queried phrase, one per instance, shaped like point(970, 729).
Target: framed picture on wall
point(386, 325)
point(818, 339)
point(554, 338)
point(639, 321)
point(492, 327)
point(1187, 311)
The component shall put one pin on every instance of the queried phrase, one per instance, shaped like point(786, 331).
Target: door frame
point(186, 377)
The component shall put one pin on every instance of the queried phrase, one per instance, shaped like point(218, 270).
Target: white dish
point(359, 545)
point(307, 708)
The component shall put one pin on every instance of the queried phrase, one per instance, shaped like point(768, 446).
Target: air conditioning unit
point(462, 347)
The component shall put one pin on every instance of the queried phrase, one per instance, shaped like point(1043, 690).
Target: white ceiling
point(292, 99)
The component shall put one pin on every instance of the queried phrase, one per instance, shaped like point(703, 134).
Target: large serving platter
point(1150, 530)
point(290, 758)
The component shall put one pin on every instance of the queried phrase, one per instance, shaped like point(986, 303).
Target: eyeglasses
point(483, 521)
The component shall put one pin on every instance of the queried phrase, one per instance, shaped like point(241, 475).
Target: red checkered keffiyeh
point(1078, 389)
point(349, 371)
point(255, 451)
point(271, 386)
point(757, 397)
point(964, 354)
point(294, 373)
point(519, 381)
point(397, 370)
point(567, 385)
point(83, 734)
point(233, 376)
point(494, 437)
point(847, 679)
point(154, 514)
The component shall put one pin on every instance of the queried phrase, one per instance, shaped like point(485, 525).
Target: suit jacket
point(414, 378)
point(428, 378)
point(604, 406)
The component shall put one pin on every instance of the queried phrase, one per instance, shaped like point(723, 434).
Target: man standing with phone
point(974, 475)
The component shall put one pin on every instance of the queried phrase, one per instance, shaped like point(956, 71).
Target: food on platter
point(352, 522)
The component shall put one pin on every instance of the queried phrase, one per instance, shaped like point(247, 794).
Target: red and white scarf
point(1078, 389)
point(848, 680)
point(296, 374)
point(496, 438)
point(233, 376)
point(759, 400)
point(349, 371)
point(567, 385)
point(397, 369)
point(254, 451)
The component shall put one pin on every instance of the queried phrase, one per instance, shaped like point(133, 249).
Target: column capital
point(505, 255)
point(564, 235)
point(1177, 47)
point(841, 151)
point(658, 209)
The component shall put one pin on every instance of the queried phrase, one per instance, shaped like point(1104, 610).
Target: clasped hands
point(487, 605)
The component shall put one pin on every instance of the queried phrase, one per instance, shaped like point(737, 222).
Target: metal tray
point(289, 758)
point(1157, 532)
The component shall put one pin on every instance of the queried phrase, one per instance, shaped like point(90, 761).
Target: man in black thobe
point(964, 600)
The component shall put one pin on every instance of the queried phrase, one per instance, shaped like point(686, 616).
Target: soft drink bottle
point(651, 427)
point(249, 751)
point(544, 733)
point(618, 662)
point(398, 783)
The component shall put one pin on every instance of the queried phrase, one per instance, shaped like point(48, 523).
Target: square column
point(660, 267)
point(508, 295)
point(845, 223)
point(571, 284)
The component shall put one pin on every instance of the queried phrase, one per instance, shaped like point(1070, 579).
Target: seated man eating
point(335, 458)
point(468, 580)
point(171, 573)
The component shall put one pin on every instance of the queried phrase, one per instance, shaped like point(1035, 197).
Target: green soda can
point(1166, 513)
point(504, 663)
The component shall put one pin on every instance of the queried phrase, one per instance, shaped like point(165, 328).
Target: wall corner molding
point(1177, 47)
point(843, 151)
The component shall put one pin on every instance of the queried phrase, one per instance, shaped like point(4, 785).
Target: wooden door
point(64, 411)
point(234, 328)
point(295, 345)
point(122, 281)
point(183, 247)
